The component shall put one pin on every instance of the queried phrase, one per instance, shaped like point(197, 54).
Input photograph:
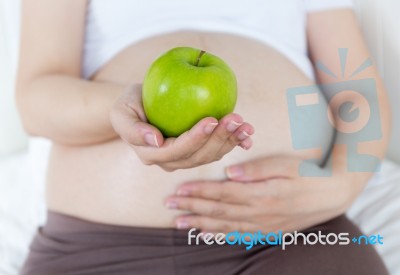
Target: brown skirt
point(67, 245)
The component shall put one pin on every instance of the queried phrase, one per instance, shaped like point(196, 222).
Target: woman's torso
point(108, 183)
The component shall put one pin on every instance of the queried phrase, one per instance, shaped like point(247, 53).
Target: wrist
point(351, 184)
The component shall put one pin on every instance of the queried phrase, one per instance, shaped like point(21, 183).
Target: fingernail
point(246, 144)
point(234, 172)
point(171, 204)
point(243, 135)
point(151, 139)
point(244, 147)
point(233, 125)
point(210, 127)
point(182, 224)
point(183, 192)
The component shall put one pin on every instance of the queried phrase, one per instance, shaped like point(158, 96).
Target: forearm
point(329, 31)
point(68, 110)
point(341, 159)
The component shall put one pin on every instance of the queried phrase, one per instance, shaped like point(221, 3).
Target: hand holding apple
point(207, 141)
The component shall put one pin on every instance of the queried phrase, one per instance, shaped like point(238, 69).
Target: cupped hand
point(265, 194)
point(209, 140)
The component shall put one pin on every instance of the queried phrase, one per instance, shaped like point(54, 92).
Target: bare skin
point(108, 183)
point(94, 175)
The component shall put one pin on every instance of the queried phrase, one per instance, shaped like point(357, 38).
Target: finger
point(246, 144)
point(209, 208)
point(139, 133)
point(198, 146)
point(238, 137)
point(210, 224)
point(189, 142)
point(264, 168)
point(128, 120)
point(228, 192)
point(176, 150)
point(226, 127)
point(222, 137)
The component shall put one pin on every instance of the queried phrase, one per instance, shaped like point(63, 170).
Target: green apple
point(184, 85)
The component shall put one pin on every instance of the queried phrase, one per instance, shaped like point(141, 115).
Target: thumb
point(135, 131)
point(262, 169)
point(142, 134)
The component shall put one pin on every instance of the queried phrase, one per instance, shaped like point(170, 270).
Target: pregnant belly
point(107, 182)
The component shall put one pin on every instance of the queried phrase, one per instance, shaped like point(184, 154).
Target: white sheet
point(377, 211)
point(22, 208)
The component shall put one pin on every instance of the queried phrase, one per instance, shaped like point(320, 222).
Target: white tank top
point(113, 25)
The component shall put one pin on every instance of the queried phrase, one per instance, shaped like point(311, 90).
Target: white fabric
point(320, 5)
point(12, 137)
point(380, 23)
point(22, 203)
point(113, 25)
point(377, 211)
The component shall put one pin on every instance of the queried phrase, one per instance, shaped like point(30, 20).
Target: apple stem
point(199, 57)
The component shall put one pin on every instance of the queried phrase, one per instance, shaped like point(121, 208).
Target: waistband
point(68, 228)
